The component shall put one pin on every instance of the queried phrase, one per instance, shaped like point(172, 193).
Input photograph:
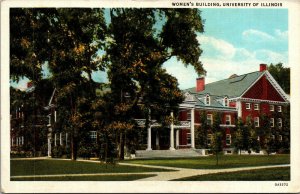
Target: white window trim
point(226, 117)
point(280, 137)
point(256, 121)
point(248, 106)
point(256, 106)
point(93, 135)
point(228, 135)
point(272, 122)
point(271, 108)
point(207, 99)
point(188, 116)
point(211, 119)
point(226, 100)
point(279, 122)
point(188, 135)
point(279, 108)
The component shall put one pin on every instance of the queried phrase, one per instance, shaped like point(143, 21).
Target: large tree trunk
point(121, 147)
point(73, 148)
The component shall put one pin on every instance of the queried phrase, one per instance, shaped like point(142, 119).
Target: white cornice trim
point(260, 100)
point(276, 86)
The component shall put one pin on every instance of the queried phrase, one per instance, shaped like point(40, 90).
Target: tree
point(217, 138)
point(137, 50)
point(281, 75)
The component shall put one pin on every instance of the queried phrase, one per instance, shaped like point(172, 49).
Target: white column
point(17, 141)
point(49, 147)
point(177, 138)
point(192, 128)
point(60, 139)
point(239, 108)
point(55, 116)
point(55, 139)
point(149, 132)
point(22, 138)
point(172, 133)
point(149, 138)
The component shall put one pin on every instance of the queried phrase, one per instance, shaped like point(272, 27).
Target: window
point(279, 108)
point(271, 107)
point(256, 106)
point(248, 106)
point(273, 137)
point(209, 138)
point(188, 115)
point(188, 138)
point(256, 121)
point(93, 135)
point(279, 122)
point(209, 119)
point(207, 100)
point(226, 102)
point(280, 137)
point(272, 122)
point(228, 120)
point(228, 139)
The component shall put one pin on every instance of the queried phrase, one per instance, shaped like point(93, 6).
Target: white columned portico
point(177, 138)
point(172, 133)
point(149, 147)
point(192, 128)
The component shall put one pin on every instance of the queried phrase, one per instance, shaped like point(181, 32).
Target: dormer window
point(226, 102)
point(207, 99)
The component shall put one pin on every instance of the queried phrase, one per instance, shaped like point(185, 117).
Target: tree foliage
point(282, 75)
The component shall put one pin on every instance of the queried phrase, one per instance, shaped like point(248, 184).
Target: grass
point(51, 167)
point(270, 174)
point(225, 161)
point(126, 177)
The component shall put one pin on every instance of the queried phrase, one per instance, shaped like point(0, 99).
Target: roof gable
point(231, 87)
point(266, 88)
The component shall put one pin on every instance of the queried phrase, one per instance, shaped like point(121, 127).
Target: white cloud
point(221, 59)
point(272, 57)
point(281, 35)
point(259, 36)
point(216, 47)
point(256, 35)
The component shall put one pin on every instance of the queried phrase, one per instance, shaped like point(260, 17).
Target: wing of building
point(249, 96)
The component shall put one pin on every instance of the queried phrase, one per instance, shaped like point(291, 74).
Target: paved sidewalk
point(185, 172)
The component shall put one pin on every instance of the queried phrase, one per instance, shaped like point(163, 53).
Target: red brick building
point(246, 96)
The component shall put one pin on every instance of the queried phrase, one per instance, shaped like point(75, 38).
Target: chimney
point(262, 67)
point(200, 84)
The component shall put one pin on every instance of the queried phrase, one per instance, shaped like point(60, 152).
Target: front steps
point(169, 153)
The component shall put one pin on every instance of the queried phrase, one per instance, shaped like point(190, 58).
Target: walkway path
point(185, 172)
point(160, 176)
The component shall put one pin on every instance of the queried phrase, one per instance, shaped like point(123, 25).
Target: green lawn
point(127, 177)
point(270, 174)
point(209, 162)
point(49, 167)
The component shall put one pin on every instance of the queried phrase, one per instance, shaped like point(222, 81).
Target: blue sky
point(234, 41)
point(237, 41)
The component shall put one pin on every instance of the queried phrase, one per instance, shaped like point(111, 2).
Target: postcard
point(150, 96)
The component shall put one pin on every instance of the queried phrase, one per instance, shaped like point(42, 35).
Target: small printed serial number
point(281, 184)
